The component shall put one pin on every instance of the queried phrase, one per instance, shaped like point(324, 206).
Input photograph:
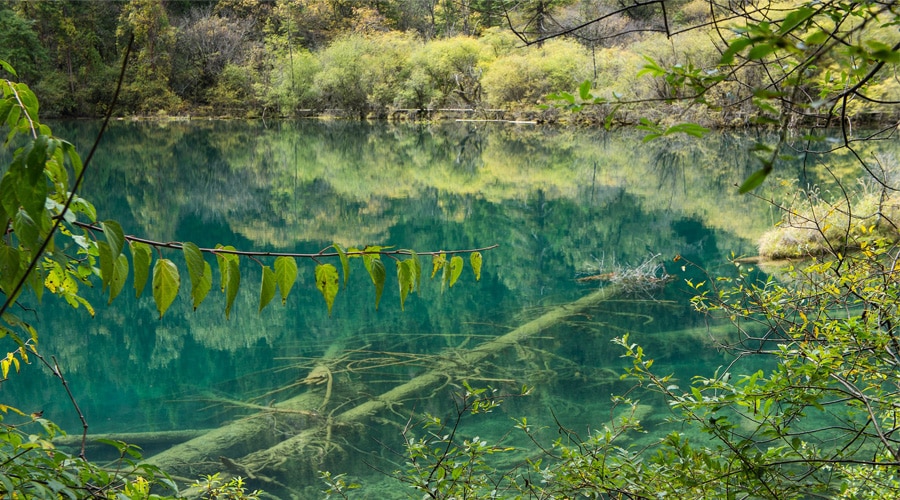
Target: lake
point(559, 204)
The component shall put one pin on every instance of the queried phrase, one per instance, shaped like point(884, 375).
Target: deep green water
point(560, 204)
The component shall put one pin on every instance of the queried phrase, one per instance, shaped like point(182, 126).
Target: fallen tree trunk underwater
point(252, 449)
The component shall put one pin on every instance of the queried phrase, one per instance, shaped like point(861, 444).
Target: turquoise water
point(559, 204)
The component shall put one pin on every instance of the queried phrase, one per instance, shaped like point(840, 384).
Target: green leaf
point(199, 272)
point(416, 268)
point(688, 128)
point(755, 179)
point(267, 287)
point(345, 262)
point(584, 90)
point(106, 263)
point(222, 260)
point(475, 260)
point(140, 257)
point(232, 282)
point(760, 51)
point(9, 268)
point(166, 282)
point(327, 283)
point(456, 267)
point(36, 159)
point(794, 19)
point(119, 276)
point(285, 276)
point(74, 159)
point(405, 279)
point(9, 69)
point(735, 47)
point(377, 272)
point(26, 230)
point(114, 236)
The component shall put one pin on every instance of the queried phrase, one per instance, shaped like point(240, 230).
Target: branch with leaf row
point(276, 279)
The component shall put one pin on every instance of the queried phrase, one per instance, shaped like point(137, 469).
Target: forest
point(383, 58)
point(805, 406)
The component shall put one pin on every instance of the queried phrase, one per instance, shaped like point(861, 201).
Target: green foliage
point(214, 487)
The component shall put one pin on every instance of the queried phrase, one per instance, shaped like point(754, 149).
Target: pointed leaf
point(267, 287)
point(166, 282)
point(327, 283)
point(140, 257)
point(416, 268)
point(119, 276)
point(222, 259)
point(475, 260)
point(584, 90)
point(5, 65)
point(405, 279)
point(106, 264)
point(377, 272)
point(232, 282)
point(285, 276)
point(199, 272)
point(456, 267)
point(345, 262)
point(755, 179)
point(9, 268)
point(114, 236)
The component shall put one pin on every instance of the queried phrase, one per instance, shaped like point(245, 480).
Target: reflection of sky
point(559, 205)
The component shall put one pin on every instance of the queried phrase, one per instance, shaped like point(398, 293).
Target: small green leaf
point(584, 90)
point(377, 273)
point(405, 279)
point(222, 259)
point(456, 267)
point(475, 260)
point(760, 51)
point(416, 268)
point(327, 283)
point(9, 69)
point(285, 276)
point(36, 159)
point(166, 282)
point(794, 19)
point(232, 282)
point(114, 236)
point(345, 262)
point(199, 272)
point(140, 256)
point(267, 287)
point(119, 276)
point(9, 268)
point(688, 128)
point(755, 179)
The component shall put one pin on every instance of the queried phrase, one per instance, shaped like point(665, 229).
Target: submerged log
point(249, 448)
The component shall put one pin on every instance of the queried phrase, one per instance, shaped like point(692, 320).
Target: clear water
point(560, 204)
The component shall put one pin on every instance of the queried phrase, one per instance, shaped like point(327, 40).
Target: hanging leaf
point(140, 257)
point(327, 283)
point(370, 253)
point(119, 276)
point(755, 179)
point(456, 267)
point(9, 268)
point(345, 262)
point(406, 279)
point(475, 260)
point(416, 268)
point(222, 259)
point(166, 282)
point(232, 282)
point(267, 288)
point(106, 264)
point(285, 276)
point(377, 272)
point(114, 236)
point(199, 272)
point(437, 263)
